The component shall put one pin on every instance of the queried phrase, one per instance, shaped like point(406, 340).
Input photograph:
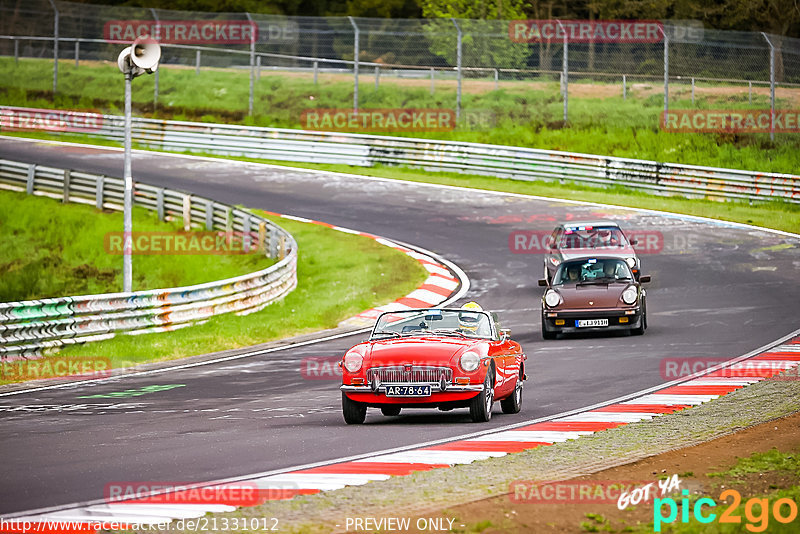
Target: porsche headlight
point(469, 361)
point(353, 361)
point(631, 262)
point(552, 298)
point(630, 295)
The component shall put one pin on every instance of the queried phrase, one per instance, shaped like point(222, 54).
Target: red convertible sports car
point(433, 358)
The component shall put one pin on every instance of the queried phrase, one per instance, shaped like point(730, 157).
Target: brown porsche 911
point(595, 294)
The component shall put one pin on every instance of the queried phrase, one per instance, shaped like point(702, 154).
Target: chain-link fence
point(684, 62)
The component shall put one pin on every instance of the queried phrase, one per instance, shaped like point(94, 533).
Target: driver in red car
point(473, 323)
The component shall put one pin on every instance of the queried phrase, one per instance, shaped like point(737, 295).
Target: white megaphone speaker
point(142, 56)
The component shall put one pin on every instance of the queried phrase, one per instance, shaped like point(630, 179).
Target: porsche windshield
point(592, 237)
point(591, 271)
point(444, 322)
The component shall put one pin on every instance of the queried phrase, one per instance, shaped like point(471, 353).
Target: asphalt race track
point(718, 291)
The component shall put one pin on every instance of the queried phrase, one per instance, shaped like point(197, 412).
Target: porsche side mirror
point(505, 333)
point(644, 278)
point(542, 282)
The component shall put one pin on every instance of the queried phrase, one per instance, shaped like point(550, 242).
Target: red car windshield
point(445, 322)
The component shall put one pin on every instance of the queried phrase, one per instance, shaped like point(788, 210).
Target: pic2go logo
point(756, 511)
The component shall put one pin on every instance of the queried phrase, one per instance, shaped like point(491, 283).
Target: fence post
point(316, 71)
point(458, 68)
point(31, 179)
point(197, 62)
point(771, 87)
point(565, 72)
point(624, 88)
point(210, 215)
point(246, 233)
point(433, 84)
point(16, 51)
point(258, 68)
point(187, 213)
point(67, 178)
point(77, 52)
point(377, 76)
point(55, 46)
point(262, 236)
point(99, 191)
point(666, 72)
point(693, 91)
point(355, 63)
point(750, 93)
point(160, 203)
point(155, 82)
point(252, 63)
point(496, 78)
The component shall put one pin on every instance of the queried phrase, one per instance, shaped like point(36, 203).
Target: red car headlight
point(353, 361)
point(469, 361)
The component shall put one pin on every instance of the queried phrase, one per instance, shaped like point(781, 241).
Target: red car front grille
point(410, 373)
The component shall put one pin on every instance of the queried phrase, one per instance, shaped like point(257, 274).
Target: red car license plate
point(408, 391)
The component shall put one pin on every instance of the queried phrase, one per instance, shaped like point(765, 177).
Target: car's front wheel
point(639, 330)
point(354, 412)
point(513, 403)
point(480, 408)
point(390, 410)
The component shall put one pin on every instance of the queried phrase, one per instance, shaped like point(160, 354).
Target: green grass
point(49, 250)
point(527, 114)
point(339, 275)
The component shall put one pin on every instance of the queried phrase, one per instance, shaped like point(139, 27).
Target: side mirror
point(505, 333)
point(644, 278)
point(542, 282)
point(634, 242)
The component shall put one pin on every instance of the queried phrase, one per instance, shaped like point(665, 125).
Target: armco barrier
point(368, 150)
point(29, 327)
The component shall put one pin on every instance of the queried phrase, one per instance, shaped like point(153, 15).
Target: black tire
point(354, 412)
point(546, 332)
point(639, 330)
point(480, 408)
point(390, 410)
point(513, 403)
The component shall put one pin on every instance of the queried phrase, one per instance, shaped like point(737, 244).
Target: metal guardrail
point(429, 154)
point(29, 327)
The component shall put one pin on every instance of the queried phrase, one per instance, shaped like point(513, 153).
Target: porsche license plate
point(408, 391)
point(582, 323)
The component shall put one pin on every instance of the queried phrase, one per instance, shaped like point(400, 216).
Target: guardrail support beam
point(160, 203)
point(187, 213)
point(30, 183)
point(210, 215)
point(99, 190)
point(67, 179)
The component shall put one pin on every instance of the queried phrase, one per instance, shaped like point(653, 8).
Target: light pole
point(139, 58)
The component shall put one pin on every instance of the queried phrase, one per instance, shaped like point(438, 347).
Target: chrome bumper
point(435, 387)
